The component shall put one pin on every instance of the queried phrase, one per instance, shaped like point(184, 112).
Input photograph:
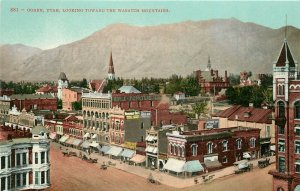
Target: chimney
point(226, 77)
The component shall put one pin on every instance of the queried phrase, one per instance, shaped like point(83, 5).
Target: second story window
point(280, 129)
point(281, 164)
point(238, 143)
point(194, 149)
point(297, 110)
point(297, 166)
point(281, 110)
point(209, 148)
point(297, 147)
point(297, 130)
point(252, 142)
point(281, 145)
point(225, 145)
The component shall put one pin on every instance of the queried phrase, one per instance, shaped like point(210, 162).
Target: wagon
point(264, 163)
point(242, 166)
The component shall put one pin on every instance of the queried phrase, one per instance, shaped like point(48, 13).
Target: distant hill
point(155, 51)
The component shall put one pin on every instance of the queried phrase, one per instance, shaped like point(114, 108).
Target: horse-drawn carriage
point(69, 153)
point(90, 160)
point(263, 163)
point(242, 166)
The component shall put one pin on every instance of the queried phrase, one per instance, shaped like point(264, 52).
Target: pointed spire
point(285, 56)
point(111, 70)
point(208, 64)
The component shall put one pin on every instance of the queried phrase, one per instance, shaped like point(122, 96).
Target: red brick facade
point(36, 104)
point(286, 93)
point(216, 137)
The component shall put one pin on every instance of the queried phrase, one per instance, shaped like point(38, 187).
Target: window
point(297, 110)
point(174, 149)
point(194, 149)
point(297, 147)
point(281, 112)
point(129, 104)
point(142, 138)
point(252, 142)
point(2, 162)
point(24, 161)
point(225, 145)
point(268, 132)
point(297, 166)
point(24, 179)
point(142, 125)
point(297, 130)
point(48, 156)
point(48, 176)
point(151, 103)
point(281, 129)
point(280, 89)
point(281, 145)
point(36, 158)
point(238, 143)
point(182, 151)
point(224, 160)
point(3, 184)
point(9, 182)
point(43, 177)
point(171, 149)
point(209, 148)
point(36, 178)
point(18, 180)
point(9, 161)
point(281, 164)
point(178, 150)
point(42, 157)
point(18, 159)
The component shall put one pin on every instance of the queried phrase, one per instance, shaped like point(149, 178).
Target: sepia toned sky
point(51, 29)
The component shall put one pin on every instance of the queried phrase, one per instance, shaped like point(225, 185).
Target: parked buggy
point(69, 153)
point(264, 163)
point(242, 166)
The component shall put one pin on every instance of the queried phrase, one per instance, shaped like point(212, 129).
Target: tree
point(77, 105)
point(200, 108)
point(59, 104)
point(190, 86)
point(84, 83)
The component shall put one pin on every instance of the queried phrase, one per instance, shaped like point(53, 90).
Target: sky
point(20, 24)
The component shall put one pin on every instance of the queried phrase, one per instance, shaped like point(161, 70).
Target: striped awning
point(63, 138)
point(85, 144)
point(174, 165)
point(138, 158)
point(127, 153)
point(115, 151)
point(70, 141)
point(193, 166)
point(77, 142)
point(105, 149)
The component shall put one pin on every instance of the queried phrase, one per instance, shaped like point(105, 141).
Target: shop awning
point(77, 142)
point(193, 166)
point(246, 155)
point(212, 164)
point(86, 135)
point(70, 141)
point(115, 151)
point(105, 149)
point(138, 158)
point(53, 135)
point(94, 136)
point(94, 144)
point(174, 165)
point(127, 153)
point(85, 144)
point(63, 138)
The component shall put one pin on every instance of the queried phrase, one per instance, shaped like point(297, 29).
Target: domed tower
point(62, 84)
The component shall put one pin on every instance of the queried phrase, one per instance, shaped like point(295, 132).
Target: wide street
point(72, 173)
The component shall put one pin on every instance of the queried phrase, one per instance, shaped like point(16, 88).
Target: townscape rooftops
point(285, 56)
point(97, 85)
point(256, 115)
point(96, 95)
point(38, 129)
point(31, 96)
point(79, 90)
point(128, 89)
point(47, 89)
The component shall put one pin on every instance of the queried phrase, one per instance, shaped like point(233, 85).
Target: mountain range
point(154, 51)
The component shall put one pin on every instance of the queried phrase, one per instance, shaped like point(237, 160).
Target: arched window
point(174, 149)
point(239, 143)
point(281, 110)
point(252, 142)
point(209, 148)
point(225, 145)
point(84, 113)
point(96, 114)
point(280, 89)
point(178, 150)
point(297, 110)
point(182, 151)
point(88, 114)
point(194, 149)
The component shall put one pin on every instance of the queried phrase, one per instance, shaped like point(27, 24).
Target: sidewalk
point(162, 177)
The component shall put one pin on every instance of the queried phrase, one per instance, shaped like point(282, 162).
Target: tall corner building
point(286, 96)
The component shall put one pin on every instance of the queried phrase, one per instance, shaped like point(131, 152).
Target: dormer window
point(247, 114)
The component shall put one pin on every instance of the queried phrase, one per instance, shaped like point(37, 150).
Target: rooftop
point(128, 89)
point(96, 95)
point(31, 96)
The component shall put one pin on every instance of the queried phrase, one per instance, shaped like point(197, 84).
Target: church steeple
point(208, 68)
point(111, 70)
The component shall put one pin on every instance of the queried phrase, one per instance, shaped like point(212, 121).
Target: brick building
point(210, 81)
point(34, 102)
point(7, 92)
point(250, 117)
point(71, 95)
point(52, 90)
point(286, 94)
point(210, 149)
